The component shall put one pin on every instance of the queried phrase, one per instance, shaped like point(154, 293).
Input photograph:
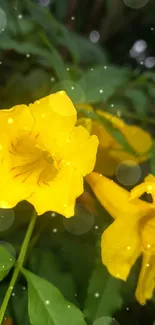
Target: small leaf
point(6, 262)
point(48, 306)
point(139, 101)
point(152, 159)
point(73, 90)
point(104, 295)
point(19, 305)
point(44, 263)
point(83, 50)
point(102, 82)
point(51, 56)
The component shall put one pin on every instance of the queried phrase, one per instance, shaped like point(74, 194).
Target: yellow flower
point(44, 157)
point(147, 186)
point(110, 153)
point(131, 234)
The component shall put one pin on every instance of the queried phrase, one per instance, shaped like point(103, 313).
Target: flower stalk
point(18, 265)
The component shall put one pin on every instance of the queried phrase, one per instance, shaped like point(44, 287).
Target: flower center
point(32, 162)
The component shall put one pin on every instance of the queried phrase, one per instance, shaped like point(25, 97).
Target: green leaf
point(48, 306)
point(83, 51)
point(6, 262)
point(26, 88)
point(73, 90)
point(61, 8)
point(139, 100)
point(151, 90)
point(79, 255)
point(104, 295)
point(152, 159)
point(51, 56)
point(38, 84)
point(100, 83)
point(43, 263)
point(19, 305)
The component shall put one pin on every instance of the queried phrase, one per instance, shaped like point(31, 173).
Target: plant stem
point(133, 116)
point(18, 265)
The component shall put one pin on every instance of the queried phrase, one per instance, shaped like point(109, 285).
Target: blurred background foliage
point(49, 45)
point(102, 52)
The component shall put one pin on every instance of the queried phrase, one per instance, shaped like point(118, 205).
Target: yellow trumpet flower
point(110, 153)
point(131, 234)
point(43, 156)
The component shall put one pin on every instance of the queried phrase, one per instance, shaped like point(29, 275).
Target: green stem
point(133, 116)
point(18, 265)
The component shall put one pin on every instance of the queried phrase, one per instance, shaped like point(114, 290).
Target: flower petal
point(146, 187)
point(146, 282)
point(61, 193)
point(55, 117)
point(86, 123)
point(116, 121)
point(81, 150)
point(18, 118)
point(12, 194)
point(139, 139)
point(106, 141)
point(114, 198)
point(121, 246)
point(14, 122)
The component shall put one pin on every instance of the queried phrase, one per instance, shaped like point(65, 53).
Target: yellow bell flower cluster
point(132, 233)
point(44, 155)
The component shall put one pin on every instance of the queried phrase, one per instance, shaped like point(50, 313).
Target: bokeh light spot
point(106, 321)
point(136, 4)
point(128, 172)
point(6, 219)
point(81, 223)
point(3, 20)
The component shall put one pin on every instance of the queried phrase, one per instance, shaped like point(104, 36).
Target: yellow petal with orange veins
point(55, 117)
point(114, 198)
point(43, 156)
point(81, 150)
point(13, 121)
point(146, 284)
point(121, 246)
point(60, 194)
